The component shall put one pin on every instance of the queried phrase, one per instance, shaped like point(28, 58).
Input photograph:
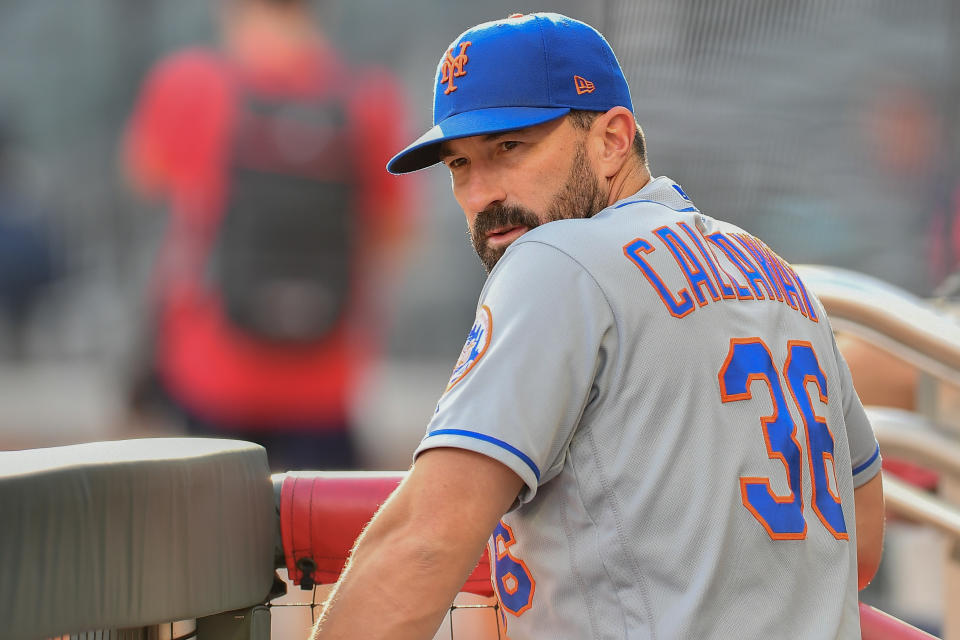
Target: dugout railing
point(925, 335)
point(911, 437)
point(129, 535)
point(921, 333)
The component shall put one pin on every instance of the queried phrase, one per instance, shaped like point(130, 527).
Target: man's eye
point(456, 162)
point(506, 145)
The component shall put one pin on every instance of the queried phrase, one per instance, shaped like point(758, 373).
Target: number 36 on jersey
point(750, 360)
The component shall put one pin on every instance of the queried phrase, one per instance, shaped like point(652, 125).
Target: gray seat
point(132, 533)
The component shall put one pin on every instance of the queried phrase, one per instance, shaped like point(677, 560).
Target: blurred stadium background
point(831, 128)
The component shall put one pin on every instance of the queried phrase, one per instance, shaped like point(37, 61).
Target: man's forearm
point(410, 590)
point(404, 573)
point(418, 550)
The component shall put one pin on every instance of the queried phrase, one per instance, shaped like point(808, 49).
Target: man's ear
point(613, 134)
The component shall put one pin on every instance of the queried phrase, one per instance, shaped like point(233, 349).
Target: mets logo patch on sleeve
point(476, 346)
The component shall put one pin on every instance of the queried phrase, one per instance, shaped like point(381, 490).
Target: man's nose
point(482, 189)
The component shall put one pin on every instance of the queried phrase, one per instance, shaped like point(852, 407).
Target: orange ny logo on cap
point(453, 67)
point(583, 85)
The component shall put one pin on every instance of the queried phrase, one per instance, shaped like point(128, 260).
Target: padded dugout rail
point(323, 512)
point(920, 332)
point(877, 625)
point(132, 533)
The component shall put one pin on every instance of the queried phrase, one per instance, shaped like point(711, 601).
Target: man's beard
point(580, 197)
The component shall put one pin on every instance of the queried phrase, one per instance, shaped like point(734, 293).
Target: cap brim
point(425, 150)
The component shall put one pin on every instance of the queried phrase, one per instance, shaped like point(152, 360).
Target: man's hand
point(869, 504)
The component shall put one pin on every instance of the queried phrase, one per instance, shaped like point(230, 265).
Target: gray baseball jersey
point(687, 432)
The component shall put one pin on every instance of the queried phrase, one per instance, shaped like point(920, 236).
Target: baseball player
point(650, 423)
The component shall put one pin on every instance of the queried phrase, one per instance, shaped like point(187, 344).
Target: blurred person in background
point(27, 264)
point(269, 287)
point(905, 136)
point(905, 133)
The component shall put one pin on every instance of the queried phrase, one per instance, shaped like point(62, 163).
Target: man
point(232, 138)
point(650, 414)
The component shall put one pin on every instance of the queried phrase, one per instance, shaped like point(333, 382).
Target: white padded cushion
point(131, 533)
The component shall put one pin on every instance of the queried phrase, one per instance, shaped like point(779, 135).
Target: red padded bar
point(323, 512)
point(877, 625)
point(918, 476)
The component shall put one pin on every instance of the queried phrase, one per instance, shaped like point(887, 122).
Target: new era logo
point(583, 85)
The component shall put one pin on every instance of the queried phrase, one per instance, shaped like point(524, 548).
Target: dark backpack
point(281, 260)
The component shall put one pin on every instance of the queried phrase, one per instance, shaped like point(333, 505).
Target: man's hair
point(582, 119)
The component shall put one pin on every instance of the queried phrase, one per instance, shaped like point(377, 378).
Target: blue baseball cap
point(515, 73)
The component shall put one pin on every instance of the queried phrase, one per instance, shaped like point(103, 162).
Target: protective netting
point(468, 618)
point(185, 630)
point(293, 618)
point(827, 127)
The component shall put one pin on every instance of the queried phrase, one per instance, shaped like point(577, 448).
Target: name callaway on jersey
point(717, 267)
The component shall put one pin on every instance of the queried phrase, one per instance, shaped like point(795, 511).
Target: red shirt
point(177, 143)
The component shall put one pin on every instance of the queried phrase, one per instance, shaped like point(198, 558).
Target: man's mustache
point(497, 216)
